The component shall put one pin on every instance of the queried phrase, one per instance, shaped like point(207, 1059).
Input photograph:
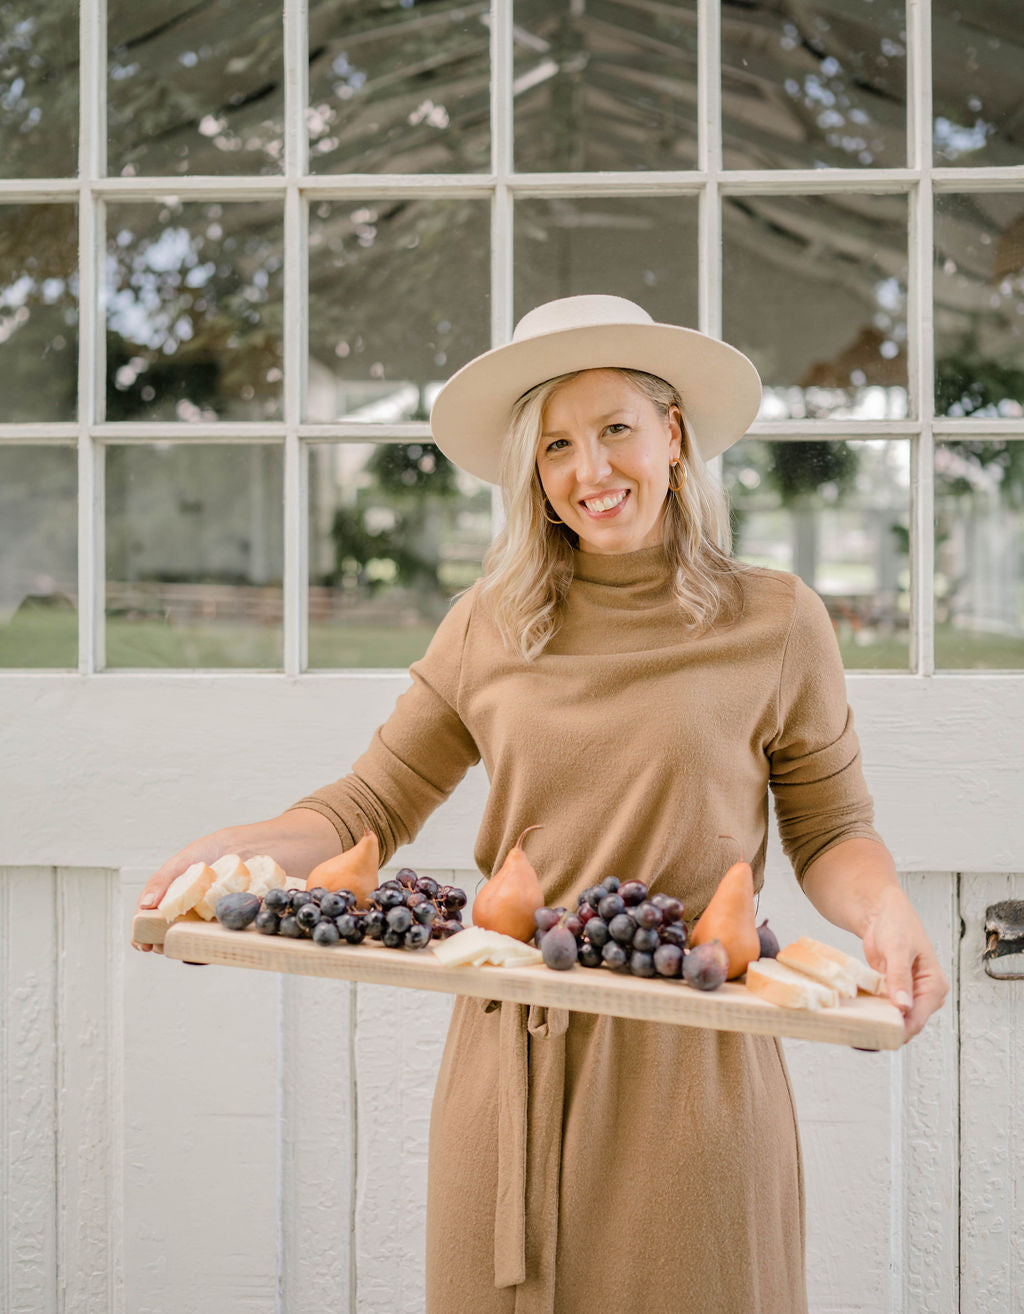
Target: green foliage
point(799, 470)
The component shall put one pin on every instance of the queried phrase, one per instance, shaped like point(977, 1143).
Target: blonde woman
point(636, 692)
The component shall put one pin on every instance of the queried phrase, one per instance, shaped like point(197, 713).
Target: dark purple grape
point(425, 913)
point(706, 966)
point(668, 960)
point(237, 911)
point(307, 916)
point(399, 919)
point(596, 931)
point(611, 883)
point(453, 898)
point(427, 885)
point(407, 877)
point(267, 921)
point(671, 908)
point(769, 944)
point(593, 895)
point(299, 897)
point(622, 928)
point(586, 914)
point(351, 929)
point(590, 955)
point(613, 955)
point(545, 918)
point(647, 914)
point(392, 939)
point(417, 936)
point(673, 933)
point(646, 939)
point(290, 927)
point(573, 925)
point(641, 964)
point(277, 899)
point(610, 906)
point(414, 899)
point(391, 898)
point(325, 932)
point(633, 892)
point(559, 948)
point(374, 923)
point(333, 905)
point(318, 892)
point(452, 927)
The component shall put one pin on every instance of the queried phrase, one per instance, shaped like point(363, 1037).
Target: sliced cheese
point(804, 955)
point(866, 978)
point(769, 979)
point(232, 877)
point(185, 891)
point(476, 946)
point(264, 875)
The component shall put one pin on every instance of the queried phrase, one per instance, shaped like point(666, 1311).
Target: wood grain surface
point(867, 1022)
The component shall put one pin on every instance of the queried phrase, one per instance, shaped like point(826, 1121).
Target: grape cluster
point(405, 912)
point(617, 925)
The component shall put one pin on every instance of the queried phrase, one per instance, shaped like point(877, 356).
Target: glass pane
point(979, 554)
point(640, 247)
point(609, 84)
point(194, 310)
point(813, 86)
point(194, 555)
point(815, 291)
point(977, 51)
point(837, 514)
point(399, 298)
point(38, 556)
point(38, 89)
point(395, 531)
point(979, 304)
point(399, 88)
point(195, 88)
point(39, 312)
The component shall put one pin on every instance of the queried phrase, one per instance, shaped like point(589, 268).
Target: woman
point(636, 692)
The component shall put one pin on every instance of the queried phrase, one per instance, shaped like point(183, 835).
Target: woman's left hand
point(895, 944)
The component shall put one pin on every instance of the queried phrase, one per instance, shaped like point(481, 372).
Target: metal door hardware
point(1004, 935)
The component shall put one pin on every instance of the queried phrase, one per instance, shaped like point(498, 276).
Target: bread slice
point(769, 979)
point(865, 978)
point(232, 877)
point(804, 955)
point(185, 891)
point(264, 875)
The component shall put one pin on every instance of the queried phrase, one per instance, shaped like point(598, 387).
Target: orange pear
point(356, 869)
point(729, 917)
point(510, 898)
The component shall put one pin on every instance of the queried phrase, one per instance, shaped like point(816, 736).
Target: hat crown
point(579, 312)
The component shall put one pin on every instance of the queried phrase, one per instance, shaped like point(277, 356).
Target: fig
point(237, 911)
point(559, 948)
point(706, 966)
point(769, 944)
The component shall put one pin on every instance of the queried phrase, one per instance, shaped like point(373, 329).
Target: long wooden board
point(866, 1022)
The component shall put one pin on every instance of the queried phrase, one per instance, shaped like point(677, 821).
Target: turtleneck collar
point(622, 569)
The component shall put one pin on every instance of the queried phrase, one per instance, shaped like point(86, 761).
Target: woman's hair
point(528, 568)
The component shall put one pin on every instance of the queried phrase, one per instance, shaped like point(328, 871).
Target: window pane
point(643, 248)
point(606, 85)
point(395, 531)
point(979, 304)
point(194, 310)
point(399, 88)
point(38, 89)
point(815, 293)
point(38, 556)
point(195, 88)
point(194, 555)
point(38, 312)
point(837, 514)
point(976, 60)
point(979, 554)
point(814, 85)
point(399, 298)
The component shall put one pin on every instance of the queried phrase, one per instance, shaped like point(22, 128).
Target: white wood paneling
point(991, 1103)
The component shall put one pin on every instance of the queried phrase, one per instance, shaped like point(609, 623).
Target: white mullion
point(295, 581)
point(994, 179)
point(709, 100)
point(813, 430)
point(354, 431)
point(40, 435)
point(153, 431)
point(921, 361)
point(91, 347)
point(653, 183)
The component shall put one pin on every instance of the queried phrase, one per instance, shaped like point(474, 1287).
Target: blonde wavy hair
point(529, 566)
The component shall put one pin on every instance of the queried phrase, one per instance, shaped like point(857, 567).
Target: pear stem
point(519, 841)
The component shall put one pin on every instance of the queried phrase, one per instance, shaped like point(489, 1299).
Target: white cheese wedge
point(804, 955)
point(769, 979)
point(866, 978)
point(232, 877)
point(294, 883)
point(264, 874)
point(476, 946)
point(185, 891)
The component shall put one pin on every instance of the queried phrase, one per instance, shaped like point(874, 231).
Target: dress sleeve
point(416, 758)
point(816, 777)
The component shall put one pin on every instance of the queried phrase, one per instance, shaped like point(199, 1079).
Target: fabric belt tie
point(531, 1075)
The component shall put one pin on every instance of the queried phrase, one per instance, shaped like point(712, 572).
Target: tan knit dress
point(583, 1164)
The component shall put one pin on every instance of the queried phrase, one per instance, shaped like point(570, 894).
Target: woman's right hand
point(297, 840)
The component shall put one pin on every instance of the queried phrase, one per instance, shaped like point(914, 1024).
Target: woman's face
point(603, 460)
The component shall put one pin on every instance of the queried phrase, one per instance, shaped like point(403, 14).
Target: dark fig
point(706, 966)
point(769, 944)
point(237, 911)
point(559, 948)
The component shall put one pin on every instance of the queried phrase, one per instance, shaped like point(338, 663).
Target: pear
point(729, 918)
point(510, 898)
point(356, 869)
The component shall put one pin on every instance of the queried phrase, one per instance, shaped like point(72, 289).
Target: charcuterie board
point(867, 1022)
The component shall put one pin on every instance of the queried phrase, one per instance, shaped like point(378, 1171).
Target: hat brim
point(719, 387)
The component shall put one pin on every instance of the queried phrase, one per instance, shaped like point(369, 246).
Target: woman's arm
point(297, 840)
point(854, 885)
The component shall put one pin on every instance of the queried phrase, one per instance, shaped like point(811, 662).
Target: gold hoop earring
point(544, 513)
point(676, 488)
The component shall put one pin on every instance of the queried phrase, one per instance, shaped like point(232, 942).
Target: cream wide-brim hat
point(719, 387)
